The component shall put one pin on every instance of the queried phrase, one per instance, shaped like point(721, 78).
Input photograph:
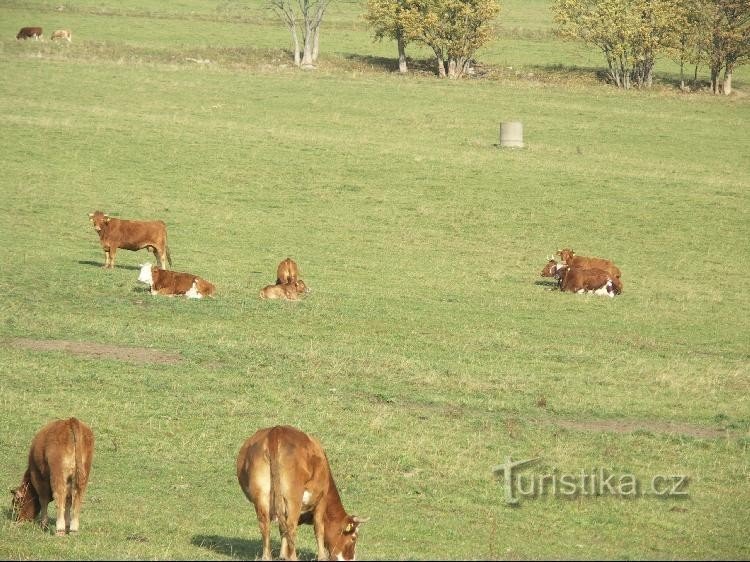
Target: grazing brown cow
point(287, 271)
point(29, 33)
point(130, 235)
point(171, 283)
point(62, 34)
point(285, 473)
point(59, 466)
point(289, 291)
point(570, 258)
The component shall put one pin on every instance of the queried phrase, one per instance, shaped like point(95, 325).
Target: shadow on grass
point(549, 284)
point(390, 64)
point(99, 264)
point(242, 549)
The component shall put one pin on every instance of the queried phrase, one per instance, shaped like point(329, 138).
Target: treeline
point(630, 33)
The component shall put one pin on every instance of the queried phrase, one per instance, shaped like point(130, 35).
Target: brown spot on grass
point(100, 351)
point(630, 426)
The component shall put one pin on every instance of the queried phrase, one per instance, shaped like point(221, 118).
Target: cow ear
point(91, 215)
point(106, 218)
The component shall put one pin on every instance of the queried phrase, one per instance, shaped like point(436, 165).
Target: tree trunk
point(727, 81)
point(295, 41)
point(401, 52)
point(307, 54)
point(715, 88)
point(316, 43)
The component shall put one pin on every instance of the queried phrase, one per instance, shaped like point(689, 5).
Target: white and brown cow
point(30, 33)
point(583, 280)
point(59, 466)
point(584, 262)
point(171, 283)
point(62, 34)
point(285, 474)
point(130, 235)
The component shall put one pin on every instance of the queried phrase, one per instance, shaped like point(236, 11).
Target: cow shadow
point(99, 265)
point(549, 284)
point(243, 549)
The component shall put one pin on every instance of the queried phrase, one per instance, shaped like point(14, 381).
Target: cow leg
point(75, 512)
point(319, 528)
point(112, 252)
point(288, 527)
point(60, 496)
point(264, 522)
point(41, 485)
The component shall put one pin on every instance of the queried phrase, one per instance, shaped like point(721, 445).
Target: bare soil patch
point(630, 426)
point(100, 351)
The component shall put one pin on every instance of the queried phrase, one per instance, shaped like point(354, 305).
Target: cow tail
point(169, 256)
point(277, 503)
point(77, 450)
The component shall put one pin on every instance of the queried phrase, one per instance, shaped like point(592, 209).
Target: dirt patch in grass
point(100, 351)
point(630, 426)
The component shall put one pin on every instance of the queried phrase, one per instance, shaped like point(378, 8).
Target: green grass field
point(429, 349)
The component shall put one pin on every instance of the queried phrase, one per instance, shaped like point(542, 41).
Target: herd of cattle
point(134, 235)
point(283, 471)
point(37, 33)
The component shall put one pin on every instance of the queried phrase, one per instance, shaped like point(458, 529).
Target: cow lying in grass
point(580, 280)
point(287, 291)
point(171, 283)
point(59, 465)
point(582, 262)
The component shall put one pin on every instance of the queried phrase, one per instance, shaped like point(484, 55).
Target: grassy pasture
point(429, 349)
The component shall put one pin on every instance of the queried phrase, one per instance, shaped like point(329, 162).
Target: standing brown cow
point(285, 473)
point(58, 470)
point(130, 235)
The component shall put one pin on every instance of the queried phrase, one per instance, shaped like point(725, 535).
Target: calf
point(289, 291)
point(171, 283)
point(285, 474)
point(287, 271)
point(29, 32)
point(58, 470)
point(570, 258)
point(62, 34)
point(130, 235)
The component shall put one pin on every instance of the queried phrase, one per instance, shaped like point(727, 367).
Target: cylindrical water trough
point(511, 134)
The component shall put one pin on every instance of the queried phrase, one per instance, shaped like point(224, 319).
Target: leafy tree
point(309, 14)
point(729, 43)
point(386, 17)
point(630, 33)
point(453, 29)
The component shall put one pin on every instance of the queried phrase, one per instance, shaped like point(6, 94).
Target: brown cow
point(287, 272)
point(62, 34)
point(580, 280)
point(130, 235)
point(58, 470)
point(289, 291)
point(570, 258)
point(171, 283)
point(30, 32)
point(285, 473)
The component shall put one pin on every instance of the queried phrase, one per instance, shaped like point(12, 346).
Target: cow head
point(300, 286)
point(550, 269)
point(25, 502)
point(342, 545)
point(146, 276)
point(566, 254)
point(98, 219)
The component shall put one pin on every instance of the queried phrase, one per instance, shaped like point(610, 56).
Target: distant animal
point(30, 33)
point(130, 235)
point(289, 291)
point(58, 470)
point(287, 271)
point(62, 34)
point(591, 280)
point(570, 258)
point(285, 473)
point(171, 283)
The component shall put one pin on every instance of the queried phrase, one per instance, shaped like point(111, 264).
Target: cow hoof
point(59, 533)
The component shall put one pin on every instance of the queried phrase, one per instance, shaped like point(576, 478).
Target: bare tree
point(306, 15)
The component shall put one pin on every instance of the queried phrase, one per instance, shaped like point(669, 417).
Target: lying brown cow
point(130, 235)
point(62, 34)
point(29, 33)
point(570, 258)
point(289, 291)
point(285, 473)
point(59, 467)
point(171, 283)
point(287, 272)
point(580, 280)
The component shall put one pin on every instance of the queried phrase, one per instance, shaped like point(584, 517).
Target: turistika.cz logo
point(586, 482)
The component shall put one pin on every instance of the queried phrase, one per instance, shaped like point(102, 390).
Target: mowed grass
point(429, 349)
